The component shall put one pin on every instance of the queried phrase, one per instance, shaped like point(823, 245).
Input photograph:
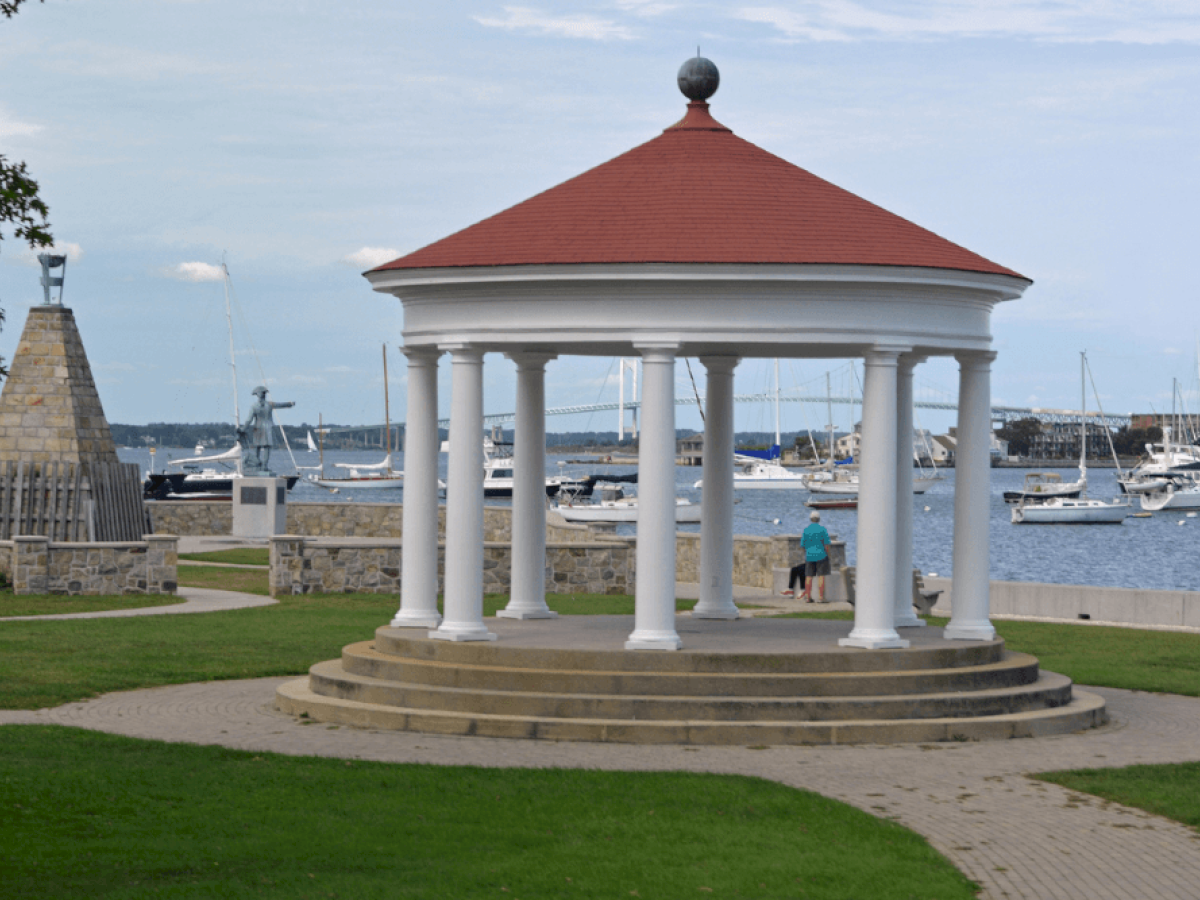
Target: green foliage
point(1019, 435)
point(1171, 790)
point(1133, 441)
point(91, 815)
point(8, 8)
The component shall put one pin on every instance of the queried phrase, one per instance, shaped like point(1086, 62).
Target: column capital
point(885, 354)
point(910, 361)
point(657, 351)
point(976, 358)
point(530, 359)
point(462, 351)
point(720, 364)
point(421, 355)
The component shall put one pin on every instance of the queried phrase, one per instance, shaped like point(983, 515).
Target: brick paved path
point(1017, 837)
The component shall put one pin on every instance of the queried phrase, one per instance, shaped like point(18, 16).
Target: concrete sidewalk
point(196, 600)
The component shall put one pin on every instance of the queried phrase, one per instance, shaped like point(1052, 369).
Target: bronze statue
point(258, 434)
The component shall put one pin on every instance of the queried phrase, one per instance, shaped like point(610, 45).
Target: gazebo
point(695, 244)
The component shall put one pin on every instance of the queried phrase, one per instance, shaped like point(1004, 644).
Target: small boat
point(1177, 494)
point(847, 484)
point(312, 446)
point(362, 477)
point(613, 506)
point(197, 481)
point(498, 476)
point(1062, 510)
point(1163, 464)
point(764, 475)
point(1046, 485)
point(847, 501)
point(1071, 511)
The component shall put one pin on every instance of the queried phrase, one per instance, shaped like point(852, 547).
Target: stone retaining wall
point(301, 565)
point(34, 565)
point(372, 520)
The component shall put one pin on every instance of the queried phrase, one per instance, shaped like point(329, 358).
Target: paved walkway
point(196, 600)
point(1017, 837)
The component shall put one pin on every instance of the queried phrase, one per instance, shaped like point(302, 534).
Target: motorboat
point(196, 480)
point(1071, 511)
point(1177, 494)
point(1045, 486)
point(613, 506)
point(1163, 464)
point(764, 475)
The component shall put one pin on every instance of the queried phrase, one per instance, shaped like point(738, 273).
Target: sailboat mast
point(778, 439)
point(1082, 410)
point(237, 415)
point(387, 415)
point(829, 412)
point(321, 432)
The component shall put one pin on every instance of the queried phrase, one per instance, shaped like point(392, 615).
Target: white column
point(527, 595)
point(905, 616)
point(716, 512)
point(969, 618)
point(654, 602)
point(419, 553)
point(876, 579)
point(463, 601)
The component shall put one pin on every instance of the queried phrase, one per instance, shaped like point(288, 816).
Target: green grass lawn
point(1159, 661)
point(56, 604)
point(89, 815)
point(245, 556)
point(54, 662)
point(247, 581)
point(1171, 790)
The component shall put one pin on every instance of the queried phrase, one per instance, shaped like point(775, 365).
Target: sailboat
point(765, 474)
point(1073, 510)
point(375, 477)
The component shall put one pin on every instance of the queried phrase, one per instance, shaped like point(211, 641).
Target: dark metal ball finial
point(698, 78)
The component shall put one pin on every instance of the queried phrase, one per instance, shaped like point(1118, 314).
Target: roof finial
point(698, 78)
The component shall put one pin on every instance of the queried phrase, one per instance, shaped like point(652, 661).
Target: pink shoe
point(786, 593)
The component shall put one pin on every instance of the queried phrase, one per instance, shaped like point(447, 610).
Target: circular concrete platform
point(756, 680)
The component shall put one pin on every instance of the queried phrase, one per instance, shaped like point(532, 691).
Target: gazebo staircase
point(549, 685)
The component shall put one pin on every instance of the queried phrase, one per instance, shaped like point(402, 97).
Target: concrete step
point(363, 659)
point(330, 679)
point(402, 642)
point(1084, 710)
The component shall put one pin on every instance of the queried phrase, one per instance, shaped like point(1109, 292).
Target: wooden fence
point(71, 502)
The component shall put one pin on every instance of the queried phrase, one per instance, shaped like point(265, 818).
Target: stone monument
point(59, 472)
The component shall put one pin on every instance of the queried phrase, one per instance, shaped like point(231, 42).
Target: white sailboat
point(364, 477)
point(1073, 510)
point(753, 473)
point(613, 506)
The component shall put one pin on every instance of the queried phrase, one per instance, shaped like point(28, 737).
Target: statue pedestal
point(259, 507)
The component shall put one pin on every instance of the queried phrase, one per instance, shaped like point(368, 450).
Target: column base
point(878, 641)
point(416, 620)
point(728, 615)
point(969, 632)
point(914, 622)
point(654, 640)
point(534, 613)
point(442, 635)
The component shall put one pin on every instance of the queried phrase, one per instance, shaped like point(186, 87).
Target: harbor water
point(1159, 552)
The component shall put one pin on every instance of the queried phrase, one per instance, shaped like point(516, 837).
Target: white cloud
point(370, 257)
point(195, 272)
point(580, 25)
point(11, 128)
point(646, 7)
point(1068, 21)
point(28, 256)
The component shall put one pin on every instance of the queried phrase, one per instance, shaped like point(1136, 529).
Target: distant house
point(944, 448)
point(690, 450)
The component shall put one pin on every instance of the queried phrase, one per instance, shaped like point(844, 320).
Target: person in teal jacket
point(815, 541)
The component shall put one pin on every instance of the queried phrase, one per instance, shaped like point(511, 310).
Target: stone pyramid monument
point(59, 472)
point(49, 408)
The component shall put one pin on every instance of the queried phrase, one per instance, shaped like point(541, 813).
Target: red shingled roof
point(696, 194)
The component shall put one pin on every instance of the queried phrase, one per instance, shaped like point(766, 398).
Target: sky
point(302, 143)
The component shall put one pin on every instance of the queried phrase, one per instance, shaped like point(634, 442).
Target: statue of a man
point(259, 431)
